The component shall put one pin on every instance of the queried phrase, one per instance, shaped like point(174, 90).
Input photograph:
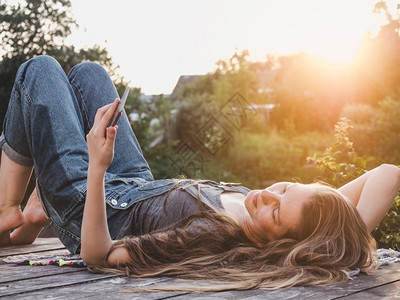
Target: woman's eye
point(275, 213)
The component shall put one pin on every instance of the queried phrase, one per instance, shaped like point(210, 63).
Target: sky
point(156, 41)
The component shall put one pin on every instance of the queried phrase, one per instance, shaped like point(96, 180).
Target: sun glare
point(195, 34)
point(340, 41)
point(156, 41)
point(332, 30)
point(335, 42)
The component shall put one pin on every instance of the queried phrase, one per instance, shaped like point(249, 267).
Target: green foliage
point(341, 165)
point(34, 27)
point(358, 113)
point(378, 54)
point(376, 130)
point(203, 85)
point(28, 29)
point(387, 232)
point(236, 74)
point(193, 113)
point(340, 161)
point(152, 125)
point(310, 92)
point(259, 159)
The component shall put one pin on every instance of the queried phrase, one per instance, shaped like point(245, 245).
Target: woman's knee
point(88, 73)
point(41, 66)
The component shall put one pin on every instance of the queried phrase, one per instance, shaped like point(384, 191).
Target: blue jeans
point(46, 124)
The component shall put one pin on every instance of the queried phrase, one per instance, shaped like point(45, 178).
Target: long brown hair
point(331, 240)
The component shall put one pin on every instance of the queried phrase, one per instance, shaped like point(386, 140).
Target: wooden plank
point(108, 288)
point(86, 285)
point(29, 282)
point(33, 282)
point(114, 288)
point(40, 244)
point(10, 273)
point(361, 283)
point(53, 282)
point(98, 286)
point(387, 291)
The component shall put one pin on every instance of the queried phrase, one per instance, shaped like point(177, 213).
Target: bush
point(387, 233)
point(376, 131)
point(340, 161)
point(342, 164)
point(358, 113)
point(262, 159)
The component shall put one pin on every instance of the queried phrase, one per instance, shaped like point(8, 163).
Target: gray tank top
point(160, 211)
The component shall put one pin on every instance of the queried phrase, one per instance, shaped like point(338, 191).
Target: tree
point(376, 134)
point(377, 75)
point(151, 120)
point(310, 92)
point(236, 74)
point(35, 27)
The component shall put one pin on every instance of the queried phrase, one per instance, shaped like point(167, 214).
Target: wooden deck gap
point(173, 296)
point(366, 289)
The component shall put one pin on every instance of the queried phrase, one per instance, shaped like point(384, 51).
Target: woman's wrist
point(97, 169)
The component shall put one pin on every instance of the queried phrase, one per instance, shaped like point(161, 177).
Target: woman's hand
point(100, 139)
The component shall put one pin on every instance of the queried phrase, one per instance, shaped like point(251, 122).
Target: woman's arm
point(373, 193)
point(96, 240)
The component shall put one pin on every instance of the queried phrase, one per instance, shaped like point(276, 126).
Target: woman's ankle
point(14, 180)
point(34, 213)
point(34, 221)
point(10, 219)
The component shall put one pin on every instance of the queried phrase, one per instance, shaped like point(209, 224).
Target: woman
point(95, 187)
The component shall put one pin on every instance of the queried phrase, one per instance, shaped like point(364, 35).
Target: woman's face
point(275, 210)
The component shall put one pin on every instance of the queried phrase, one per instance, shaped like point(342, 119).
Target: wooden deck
point(53, 282)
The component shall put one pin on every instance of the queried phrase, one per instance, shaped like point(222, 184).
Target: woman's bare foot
point(35, 220)
point(11, 217)
point(13, 181)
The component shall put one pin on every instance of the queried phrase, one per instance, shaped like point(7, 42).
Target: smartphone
point(120, 107)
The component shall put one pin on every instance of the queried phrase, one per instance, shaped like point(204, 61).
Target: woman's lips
point(255, 198)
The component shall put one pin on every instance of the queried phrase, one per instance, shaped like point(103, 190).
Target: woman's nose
point(269, 197)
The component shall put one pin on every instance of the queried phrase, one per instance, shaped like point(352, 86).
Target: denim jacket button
point(124, 204)
point(114, 202)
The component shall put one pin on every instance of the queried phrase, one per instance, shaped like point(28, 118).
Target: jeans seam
point(75, 201)
point(81, 102)
point(65, 231)
point(24, 89)
point(39, 193)
point(10, 106)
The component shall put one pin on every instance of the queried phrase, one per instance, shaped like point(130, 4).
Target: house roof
point(182, 81)
point(265, 77)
